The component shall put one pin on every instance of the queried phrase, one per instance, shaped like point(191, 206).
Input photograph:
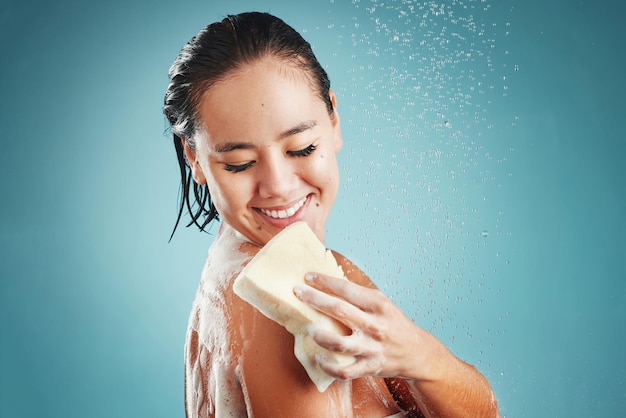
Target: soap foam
point(211, 370)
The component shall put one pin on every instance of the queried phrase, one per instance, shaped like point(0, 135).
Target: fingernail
point(310, 277)
point(298, 290)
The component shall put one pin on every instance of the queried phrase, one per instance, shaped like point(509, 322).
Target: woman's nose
point(277, 178)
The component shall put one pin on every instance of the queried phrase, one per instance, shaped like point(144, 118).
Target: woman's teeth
point(284, 213)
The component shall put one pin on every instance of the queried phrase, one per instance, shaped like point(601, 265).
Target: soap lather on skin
point(268, 282)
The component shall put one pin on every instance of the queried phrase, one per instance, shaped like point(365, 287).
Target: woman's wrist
point(429, 358)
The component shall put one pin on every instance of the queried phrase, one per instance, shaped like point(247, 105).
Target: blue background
point(483, 190)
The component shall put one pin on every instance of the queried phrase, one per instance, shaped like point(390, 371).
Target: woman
point(256, 130)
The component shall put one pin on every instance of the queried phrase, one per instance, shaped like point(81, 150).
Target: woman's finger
point(334, 307)
point(362, 297)
point(354, 344)
point(363, 366)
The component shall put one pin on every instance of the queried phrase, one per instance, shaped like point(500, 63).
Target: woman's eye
point(305, 152)
point(237, 168)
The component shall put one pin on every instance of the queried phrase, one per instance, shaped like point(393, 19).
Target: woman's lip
point(284, 213)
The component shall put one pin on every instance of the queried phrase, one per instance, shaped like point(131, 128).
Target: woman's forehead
point(260, 97)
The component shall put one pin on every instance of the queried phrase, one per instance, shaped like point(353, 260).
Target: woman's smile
point(283, 213)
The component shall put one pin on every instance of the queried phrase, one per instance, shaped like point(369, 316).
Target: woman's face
point(267, 151)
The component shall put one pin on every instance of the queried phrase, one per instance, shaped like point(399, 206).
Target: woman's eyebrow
point(232, 146)
point(299, 128)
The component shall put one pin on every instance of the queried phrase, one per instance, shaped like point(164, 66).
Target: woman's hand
point(384, 341)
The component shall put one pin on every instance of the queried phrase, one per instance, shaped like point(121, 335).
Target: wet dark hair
point(210, 56)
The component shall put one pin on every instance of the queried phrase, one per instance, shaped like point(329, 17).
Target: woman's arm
point(387, 343)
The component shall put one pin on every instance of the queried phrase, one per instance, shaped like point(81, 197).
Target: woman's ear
point(192, 161)
point(335, 121)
